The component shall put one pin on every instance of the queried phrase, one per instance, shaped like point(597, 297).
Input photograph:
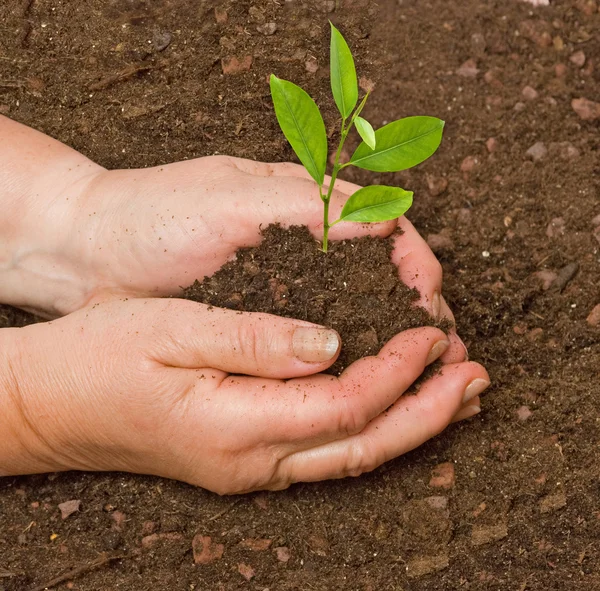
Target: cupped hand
point(153, 386)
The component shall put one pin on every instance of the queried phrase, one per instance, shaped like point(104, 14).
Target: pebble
point(586, 109)
point(256, 544)
point(221, 15)
point(153, 539)
point(148, 527)
point(443, 476)
point(366, 84)
point(420, 566)
point(556, 228)
point(69, 507)
point(469, 164)
point(436, 185)
point(564, 276)
point(232, 65)
point(578, 58)
point(523, 413)
point(161, 40)
point(267, 29)
point(491, 144)
point(519, 107)
point(490, 77)
point(437, 502)
point(553, 502)
point(487, 534)
point(246, 571)
point(529, 93)
point(537, 3)
point(119, 519)
point(537, 152)
point(283, 553)
point(261, 500)
point(440, 242)
point(205, 550)
point(560, 70)
point(593, 318)
point(468, 69)
point(311, 65)
point(547, 278)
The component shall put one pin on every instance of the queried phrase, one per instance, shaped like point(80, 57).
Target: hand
point(153, 386)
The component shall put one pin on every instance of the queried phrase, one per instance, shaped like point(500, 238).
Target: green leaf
point(302, 124)
point(376, 203)
point(344, 84)
point(365, 130)
point(400, 145)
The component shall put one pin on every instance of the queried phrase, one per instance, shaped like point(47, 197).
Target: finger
point(457, 351)
point(305, 412)
point(407, 424)
point(469, 410)
point(192, 335)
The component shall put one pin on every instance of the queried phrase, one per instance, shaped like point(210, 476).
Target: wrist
point(41, 185)
point(23, 450)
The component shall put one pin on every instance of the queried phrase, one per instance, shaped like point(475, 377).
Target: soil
point(509, 500)
point(354, 288)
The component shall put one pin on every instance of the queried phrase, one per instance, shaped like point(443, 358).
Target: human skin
point(144, 385)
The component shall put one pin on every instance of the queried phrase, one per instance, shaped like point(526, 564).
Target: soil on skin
point(354, 288)
point(135, 83)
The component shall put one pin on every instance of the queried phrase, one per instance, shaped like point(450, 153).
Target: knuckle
point(362, 456)
point(351, 419)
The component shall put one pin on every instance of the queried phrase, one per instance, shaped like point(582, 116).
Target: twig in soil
point(6, 574)
point(221, 513)
point(124, 74)
point(102, 560)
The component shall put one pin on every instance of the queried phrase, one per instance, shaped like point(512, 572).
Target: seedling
point(397, 146)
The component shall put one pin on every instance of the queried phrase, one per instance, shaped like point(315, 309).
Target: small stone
point(425, 565)
point(440, 242)
point(487, 534)
point(437, 502)
point(283, 553)
point(558, 43)
point(553, 502)
point(469, 164)
point(468, 69)
point(68, 508)
point(491, 78)
point(578, 58)
point(232, 65)
point(588, 7)
point(529, 93)
point(221, 15)
point(596, 220)
point(586, 109)
point(520, 329)
point(491, 144)
point(256, 544)
point(205, 550)
point(161, 40)
point(318, 544)
point(153, 539)
point(366, 84)
point(556, 228)
point(436, 185)
point(564, 276)
point(560, 70)
point(519, 107)
point(443, 476)
point(119, 519)
point(311, 65)
point(523, 413)
point(537, 3)
point(246, 571)
point(537, 152)
point(547, 278)
point(593, 318)
point(267, 29)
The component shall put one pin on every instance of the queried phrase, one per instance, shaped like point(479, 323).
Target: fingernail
point(315, 345)
point(436, 351)
point(436, 304)
point(466, 413)
point(475, 388)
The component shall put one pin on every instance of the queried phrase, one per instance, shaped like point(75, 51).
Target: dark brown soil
point(524, 511)
point(354, 288)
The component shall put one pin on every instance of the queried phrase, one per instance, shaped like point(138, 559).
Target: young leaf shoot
point(397, 146)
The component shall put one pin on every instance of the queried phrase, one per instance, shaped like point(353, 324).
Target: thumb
point(195, 335)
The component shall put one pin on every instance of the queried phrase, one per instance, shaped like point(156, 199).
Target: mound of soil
point(510, 203)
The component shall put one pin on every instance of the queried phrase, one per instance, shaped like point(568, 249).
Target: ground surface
point(134, 83)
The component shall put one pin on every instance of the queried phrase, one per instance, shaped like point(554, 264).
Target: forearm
point(41, 181)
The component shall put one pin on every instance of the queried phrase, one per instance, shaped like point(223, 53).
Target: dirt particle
point(256, 544)
point(440, 242)
point(553, 502)
point(161, 40)
point(523, 413)
point(537, 152)
point(205, 550)
point(311, 65)
point(69, 507)
point(154, 539)
point(578, 58)
point(491, 145)
point(486, 534)
point(469, 164)
point(437, 502)
point(221, 15)
point(529, 93)
point(436, 185)
point(425, 565)
point(119, 519)
point(246, 571)
point(318, 544)
point(593, 318)
point(283, 553)
point(443, 476)
point(468, 69)
point(587, 7)
point(267, 29)
point(586, 109)
point(556, 228)
point(233, 65)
